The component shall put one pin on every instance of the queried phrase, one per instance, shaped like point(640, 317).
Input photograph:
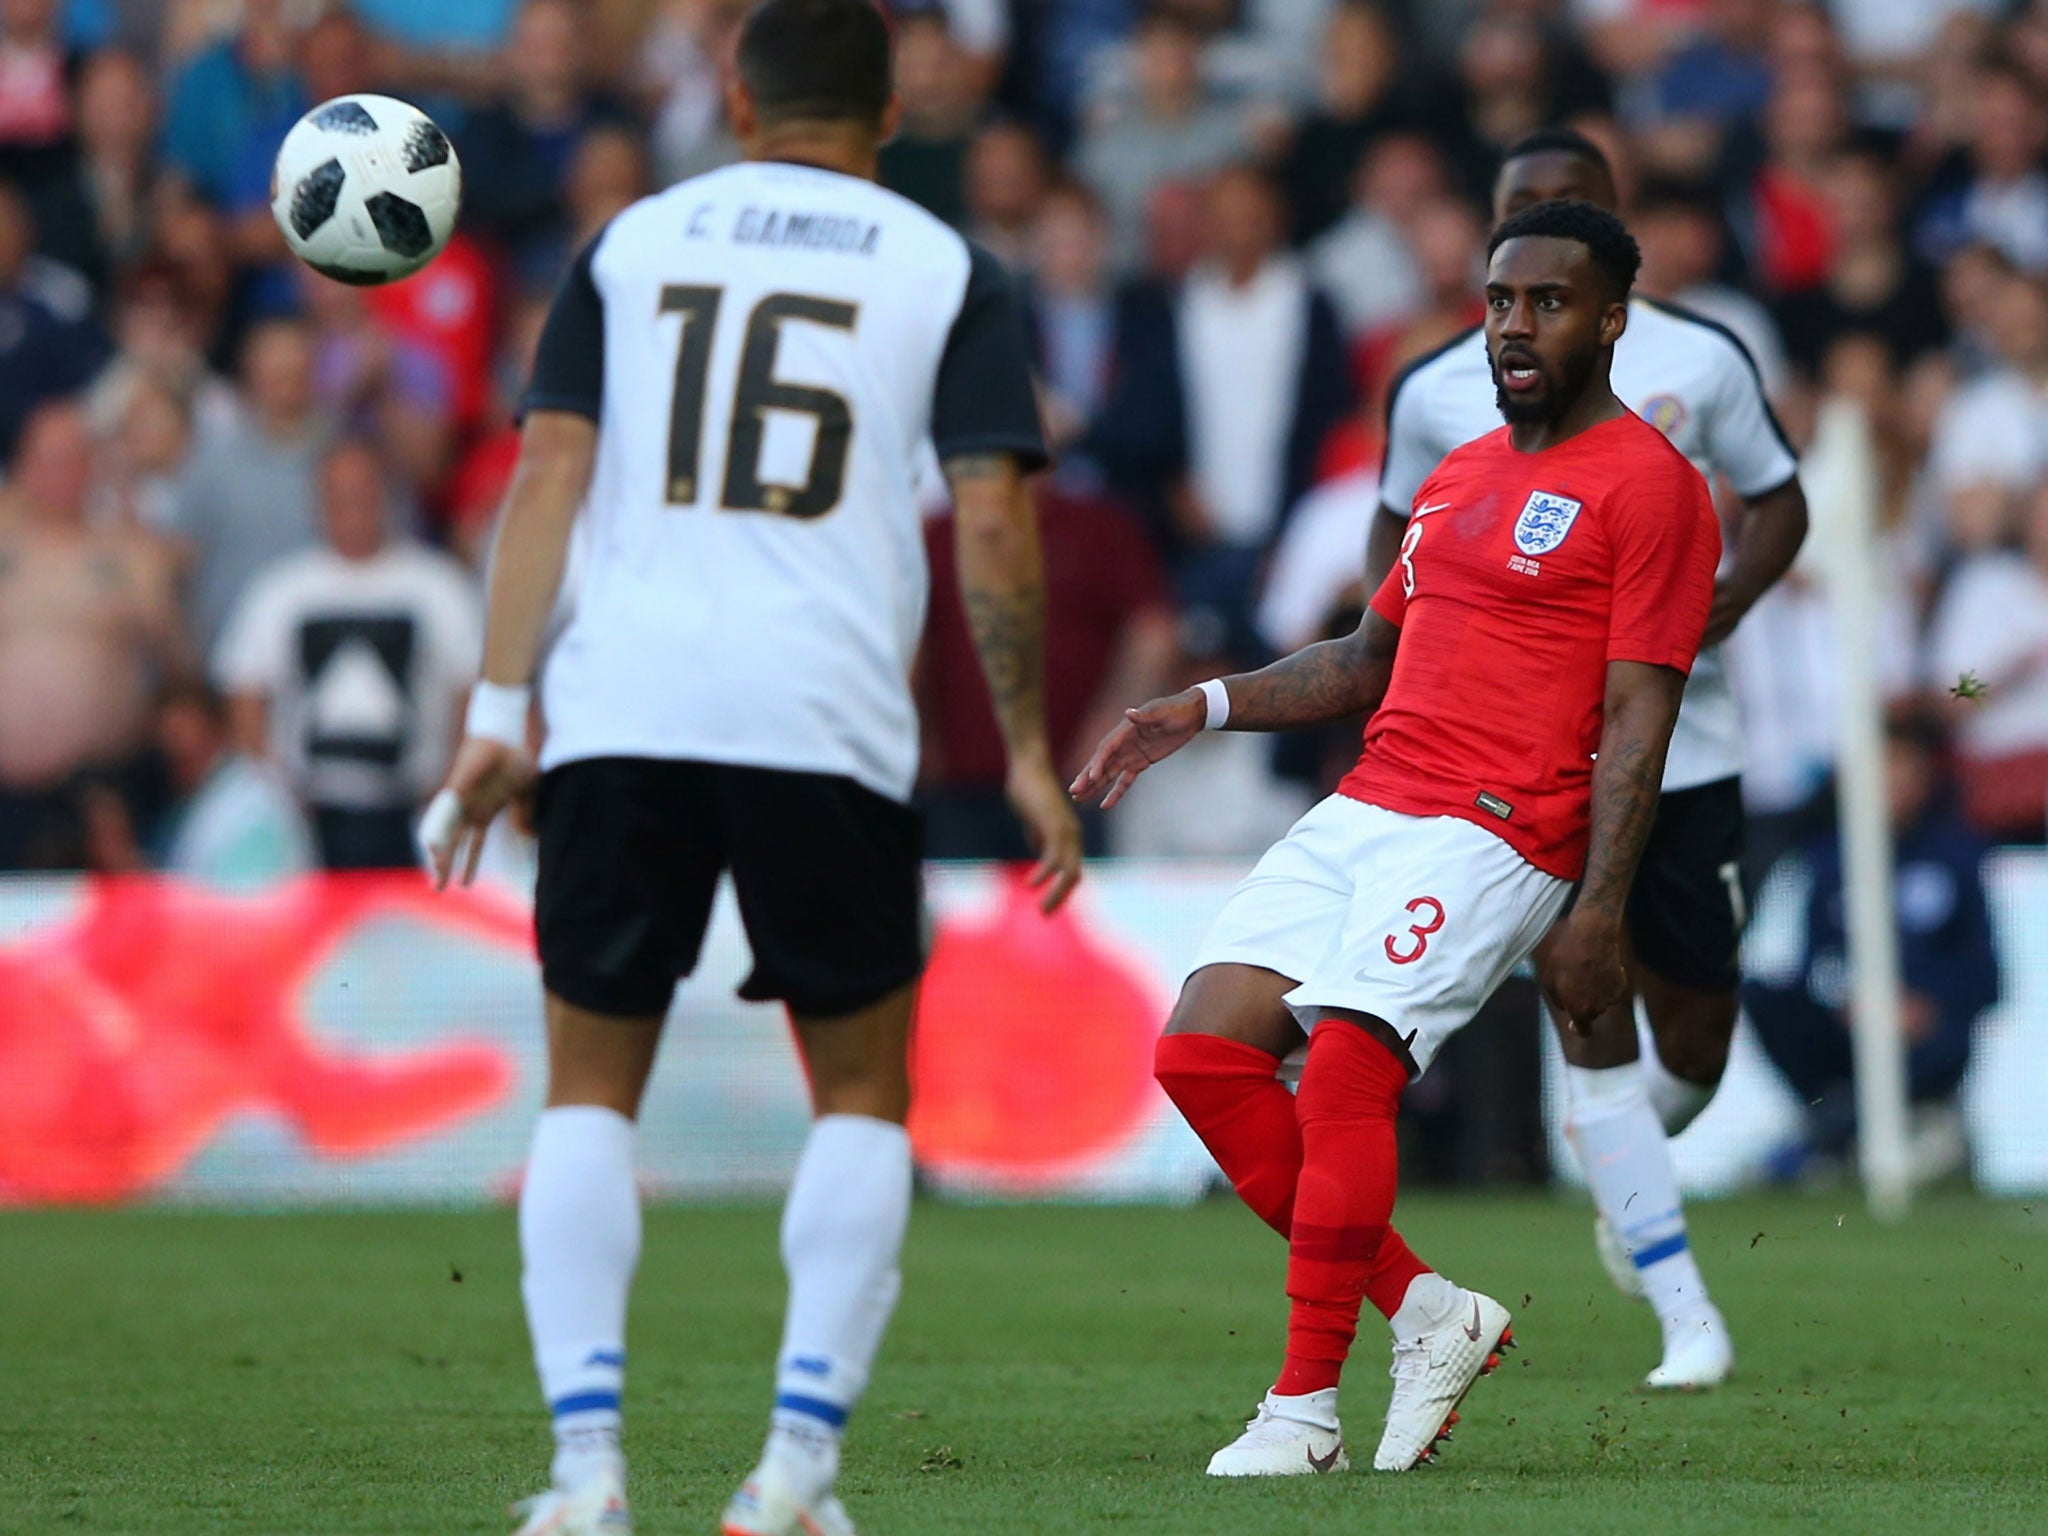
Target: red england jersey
point(1522, 575)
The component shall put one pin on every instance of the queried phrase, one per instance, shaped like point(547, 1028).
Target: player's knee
point(882, 1093)
point(1237, 1003)
point(1692, 1035)
point(1609, 1042)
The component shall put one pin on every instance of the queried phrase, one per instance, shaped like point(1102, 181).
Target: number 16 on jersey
point(756, 392)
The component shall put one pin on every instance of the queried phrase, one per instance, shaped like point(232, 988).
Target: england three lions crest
point(1544, 522)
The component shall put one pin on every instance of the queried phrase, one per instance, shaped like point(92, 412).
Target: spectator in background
point(1887, 42)
point(1991, 625)
point(1110, 638)
point(1106, 361)
point(192, 246)
point(247, 498)
point(1005, 188)
point(50, 345)
point(1679, 226)
point(1946, 953)
point(1169, 130)
point(1516, 77)
point(244, 89)
point(927, 159)
point(1789, 244)
point(371, 381)
point(1263, 380)
point(1363, 261)
point(455, 25)
point(450, 310)
point(1720, 76)
point(86, 620)
point(233, 823)
point(1447, 242)
point(158, 339)
point(142, 460)
point(606, 176)
point(346, 664)
point(1998, 194)
point(680, 88)
point(517, 151)
point(1990, 441)
point(38, 97)
point(99, 218)
point(1874, 286)
point(1361, 98)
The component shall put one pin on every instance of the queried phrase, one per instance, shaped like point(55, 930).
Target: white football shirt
point(766, 350)
point(1686, 376)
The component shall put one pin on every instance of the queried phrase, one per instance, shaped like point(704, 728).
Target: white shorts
point(1412, 919)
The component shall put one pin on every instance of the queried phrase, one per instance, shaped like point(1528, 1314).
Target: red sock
point(1350, 1094)
point(1394, 1267)
point(1229, 1093)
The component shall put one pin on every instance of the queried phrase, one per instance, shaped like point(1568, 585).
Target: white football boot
point(596, 1507)
point(769, 1504)
point(1432, 1373)
point(1698, 1355)
point(1287, 1437)
point(1621, 1269)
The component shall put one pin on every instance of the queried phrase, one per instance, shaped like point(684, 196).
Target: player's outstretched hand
point(487, 776)
point(1050, 826)
point(1579, 967)
point(1144, 735)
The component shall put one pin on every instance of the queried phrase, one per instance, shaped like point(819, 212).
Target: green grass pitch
point(1051, 1370)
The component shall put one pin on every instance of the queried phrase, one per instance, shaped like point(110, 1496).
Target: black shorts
point(1687, 909)
point(829, 875)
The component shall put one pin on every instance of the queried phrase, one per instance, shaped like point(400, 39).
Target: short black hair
point(826, 60)
point(1605, 237)
point(1560, 141)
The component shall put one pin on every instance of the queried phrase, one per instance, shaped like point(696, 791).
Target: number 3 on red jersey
point(1408, 542)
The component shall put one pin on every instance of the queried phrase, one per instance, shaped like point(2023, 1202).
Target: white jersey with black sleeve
point(766, 350)
point(1685, 375)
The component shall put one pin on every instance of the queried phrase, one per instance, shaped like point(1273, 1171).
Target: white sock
point(842, 1235)
point(579, 1235)
point(1429, 1302)
point(1628, 1165)
point(1318, 1408)
point(1678, 1102)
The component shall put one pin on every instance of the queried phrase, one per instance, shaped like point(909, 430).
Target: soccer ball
point(366, 189)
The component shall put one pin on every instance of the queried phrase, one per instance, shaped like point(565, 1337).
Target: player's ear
point(1613, 323)
point(740, 111)
point(891, 120)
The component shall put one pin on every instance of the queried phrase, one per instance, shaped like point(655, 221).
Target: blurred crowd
point(245, 508)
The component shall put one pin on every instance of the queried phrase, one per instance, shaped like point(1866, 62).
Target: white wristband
point(1219, 704)
point(498, 713)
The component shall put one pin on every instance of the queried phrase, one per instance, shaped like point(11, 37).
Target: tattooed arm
point(1331, 680)
point(1002, 583)
point(1581, 964)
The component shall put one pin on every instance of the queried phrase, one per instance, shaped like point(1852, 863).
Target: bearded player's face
point(1549, 311)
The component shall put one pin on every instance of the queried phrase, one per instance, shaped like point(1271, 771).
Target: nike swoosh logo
point(1472, 1328)
point(1324, 1463)
point(1434, 506)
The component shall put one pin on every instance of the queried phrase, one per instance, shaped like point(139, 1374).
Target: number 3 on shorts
point(1420, 932)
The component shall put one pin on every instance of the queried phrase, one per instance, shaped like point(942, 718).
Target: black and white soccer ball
point(366, 189)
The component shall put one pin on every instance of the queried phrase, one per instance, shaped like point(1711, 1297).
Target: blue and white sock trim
point(831, 1415)
point(1658, 1252)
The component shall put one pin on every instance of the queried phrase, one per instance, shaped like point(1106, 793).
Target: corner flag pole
point(1847, 524)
